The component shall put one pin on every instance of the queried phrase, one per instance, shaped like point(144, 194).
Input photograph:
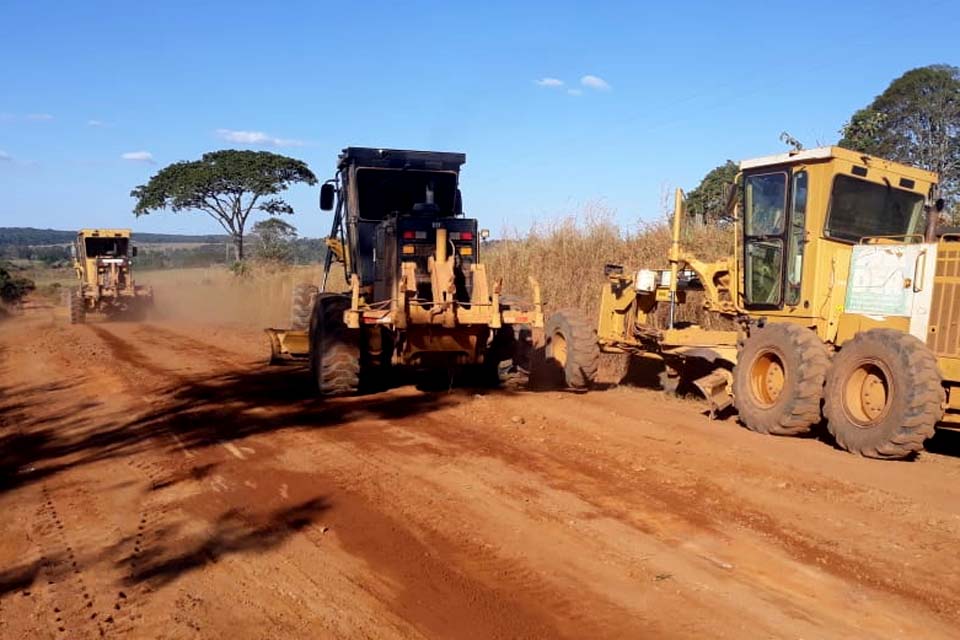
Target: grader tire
point(334, 349)
point(571, 348)
point(75, 308)
point(883, 394)
point(778, 380)
point(301, 306)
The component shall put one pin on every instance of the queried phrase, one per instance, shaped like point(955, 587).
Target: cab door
point(764, 226)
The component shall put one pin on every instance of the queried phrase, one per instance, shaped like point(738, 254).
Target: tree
point(275, 240)
point(916, 120)
point(227, 185)
point(708, 202)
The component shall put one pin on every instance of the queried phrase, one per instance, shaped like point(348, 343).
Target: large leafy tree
point(916, 120)
point(708, 202)
point(227, 185)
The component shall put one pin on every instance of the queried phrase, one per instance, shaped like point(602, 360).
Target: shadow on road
point(202, 411)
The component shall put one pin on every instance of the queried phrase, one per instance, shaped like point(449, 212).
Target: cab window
point(861, 209)
point(797, 238)
point(766, 201)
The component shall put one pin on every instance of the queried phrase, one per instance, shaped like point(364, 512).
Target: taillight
point(408, 235)
point(466, 235)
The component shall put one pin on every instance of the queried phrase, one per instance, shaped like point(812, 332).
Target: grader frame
point(418, 295)
point(102, 261)
point(838, 284)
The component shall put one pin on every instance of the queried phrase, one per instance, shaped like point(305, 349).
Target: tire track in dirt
point(185, 344)
point(406, 533)
point(675, 513)
point(406, 556)
point(706, 500)
point(73, 607)
point(128, 544)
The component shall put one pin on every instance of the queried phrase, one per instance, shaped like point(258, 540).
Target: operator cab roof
point(821, 154)
point(105, 233)
point(401, 159)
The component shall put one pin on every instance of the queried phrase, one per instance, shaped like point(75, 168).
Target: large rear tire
point(571, 348)
point(778, 380)
point(301, 306)
point(334, 349)
point(884, 394)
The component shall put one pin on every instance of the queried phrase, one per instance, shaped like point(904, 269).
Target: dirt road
point(157, 481)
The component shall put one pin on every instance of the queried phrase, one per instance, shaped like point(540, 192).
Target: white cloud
point(256, 138)
point(551, 83)
point(96, 123)
point(595, 82)
point(138, 156)
point(40, 117)
point(5, 157)
point(575, 92)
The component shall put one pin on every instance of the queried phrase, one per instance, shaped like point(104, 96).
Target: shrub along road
point(157, 481)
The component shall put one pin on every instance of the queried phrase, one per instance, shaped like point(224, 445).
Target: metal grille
point(943, 336)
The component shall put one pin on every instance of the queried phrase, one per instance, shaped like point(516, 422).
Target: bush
point(13, 288)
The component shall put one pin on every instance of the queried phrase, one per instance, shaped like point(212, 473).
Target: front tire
point(301, 306)
point(334, 349)
point(76, 308)
point(778, 380)
point(884, 394)
point(571, 348)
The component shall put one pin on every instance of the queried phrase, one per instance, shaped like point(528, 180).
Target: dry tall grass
point(567, 256)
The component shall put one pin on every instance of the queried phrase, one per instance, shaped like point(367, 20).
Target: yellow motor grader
point(102, 260)
point(419, 296)
point(845, 299)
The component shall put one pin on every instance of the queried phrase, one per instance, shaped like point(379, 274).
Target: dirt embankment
point(157, 481)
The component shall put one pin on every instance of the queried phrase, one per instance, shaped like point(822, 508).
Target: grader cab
point(842, 294)
point(103, 262)
point(418, 296)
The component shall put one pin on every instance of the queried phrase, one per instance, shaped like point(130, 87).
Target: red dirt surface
point(156, 480)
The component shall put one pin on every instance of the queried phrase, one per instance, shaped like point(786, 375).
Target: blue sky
point(95, 97)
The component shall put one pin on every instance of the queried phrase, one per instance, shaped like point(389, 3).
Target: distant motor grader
point(845, 299)
point(102, 260)
point(419, 296)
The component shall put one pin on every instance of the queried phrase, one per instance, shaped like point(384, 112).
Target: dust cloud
point(216, 296)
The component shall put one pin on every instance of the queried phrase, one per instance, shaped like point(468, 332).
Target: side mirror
point(73, 251)
point(458, 204)
point(940, 205)
point(133, 251)
point(484, 234)
point(327, 194)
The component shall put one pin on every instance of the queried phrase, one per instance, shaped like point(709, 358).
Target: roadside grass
point(567, 257)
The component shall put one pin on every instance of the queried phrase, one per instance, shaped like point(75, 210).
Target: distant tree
point(227, 185)
point(708, 202)
point(275, 240)
point(916, 120)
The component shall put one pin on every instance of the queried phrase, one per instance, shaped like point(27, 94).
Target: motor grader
point(843, 301)
point(102, 260)
point(419, 297)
